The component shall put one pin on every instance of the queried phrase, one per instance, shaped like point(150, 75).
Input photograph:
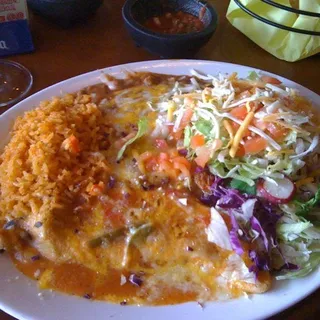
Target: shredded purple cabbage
point(234, 236)
point(111, 182)
point(256, 226)
point(263, 222)
point(226, 198)
point(268, 217)
point(231, 199)
point(135, 280)
point(183, 152)
point(35, 258)
point(261, 261)
point(288, 266)
point(209, 199)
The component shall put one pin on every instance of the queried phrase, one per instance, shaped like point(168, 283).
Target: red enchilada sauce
point(174, 23)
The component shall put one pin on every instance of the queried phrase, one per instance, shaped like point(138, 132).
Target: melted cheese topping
point(138, 237)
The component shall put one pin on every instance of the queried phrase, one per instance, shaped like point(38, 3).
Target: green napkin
point(285, 45)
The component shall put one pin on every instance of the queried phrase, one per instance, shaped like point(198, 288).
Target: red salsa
point(174, 23)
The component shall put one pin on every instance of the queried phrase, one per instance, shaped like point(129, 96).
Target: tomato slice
point(241, 151)
point(271, 80)
point(203, 156)
point(197, 141)
point(255, 145)
point(186, 118)
point(260, 124)
point(277, 132)
point(239, 112)
point(161, 144)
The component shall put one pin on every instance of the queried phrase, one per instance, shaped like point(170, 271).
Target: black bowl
point(136, 12)
point(65, 12)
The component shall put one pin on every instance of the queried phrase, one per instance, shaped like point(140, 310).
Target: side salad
point(252, 148)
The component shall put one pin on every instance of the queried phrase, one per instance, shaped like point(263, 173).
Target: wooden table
point(103, 41)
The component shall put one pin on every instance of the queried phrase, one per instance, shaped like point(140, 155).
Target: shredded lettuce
point(217, 231)
point(253, 76)
point(303, 208)
point(204, 127)
point(312, 147)
point(291, 231)
point(291, 138)
point(236, 169)
point(248, 209)
point(187, 136)
point(280, 165)
point(293, 166)
point(304, 268)
point(250, 171)
point(300, 239)
point(142, 129)
point(244, 170)
point(248, 181)
point(243, 186)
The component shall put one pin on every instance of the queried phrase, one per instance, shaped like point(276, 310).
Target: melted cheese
point(143, 224)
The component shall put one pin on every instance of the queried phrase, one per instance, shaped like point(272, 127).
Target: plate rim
point(22, 106)
point(129, 65)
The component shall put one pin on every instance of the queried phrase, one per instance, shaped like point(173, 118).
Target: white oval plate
point(19, 295)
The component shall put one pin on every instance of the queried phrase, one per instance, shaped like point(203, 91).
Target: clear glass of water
point(15, 82)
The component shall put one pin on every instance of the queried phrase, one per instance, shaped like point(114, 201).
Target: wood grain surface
point(103, 41)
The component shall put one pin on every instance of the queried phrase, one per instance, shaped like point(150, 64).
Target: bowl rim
point(128, 18)
point(27, 72)
point(61, 1)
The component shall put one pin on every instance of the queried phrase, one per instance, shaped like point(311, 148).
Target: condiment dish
point(136, 12)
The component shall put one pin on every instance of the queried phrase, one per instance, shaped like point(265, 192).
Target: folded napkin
point(285, 45)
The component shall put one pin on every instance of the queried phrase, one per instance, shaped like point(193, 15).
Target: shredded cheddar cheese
point(248, 106)
point(171, 108)
point(277, 153)
point(240, 133)
point(286, 125)
point(229, 129)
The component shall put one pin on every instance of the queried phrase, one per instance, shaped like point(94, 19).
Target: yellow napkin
point(285, 45)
